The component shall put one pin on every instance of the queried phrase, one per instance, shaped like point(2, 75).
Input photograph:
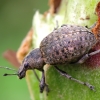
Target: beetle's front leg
point(36, 75)
point(43, 84)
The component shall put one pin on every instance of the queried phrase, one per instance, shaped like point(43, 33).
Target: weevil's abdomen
point(67, 44)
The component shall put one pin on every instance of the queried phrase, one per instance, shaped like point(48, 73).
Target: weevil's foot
point(90, 86)
point(42, 86)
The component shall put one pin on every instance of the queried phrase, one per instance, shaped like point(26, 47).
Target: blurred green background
point(15, 21)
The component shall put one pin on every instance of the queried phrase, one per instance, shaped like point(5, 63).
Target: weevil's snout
point(21, 74)
point(22, 70)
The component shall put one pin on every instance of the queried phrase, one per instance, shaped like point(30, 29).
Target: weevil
point(65, 45)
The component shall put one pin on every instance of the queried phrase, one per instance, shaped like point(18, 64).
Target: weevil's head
point(32, 61)
point(22, 70)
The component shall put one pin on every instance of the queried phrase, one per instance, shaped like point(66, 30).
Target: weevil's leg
point(86, 56)
point(56, 25)
point(36, 75)
point(43, 84)
point(46, 86)
point(63, 73)
point(91, 26)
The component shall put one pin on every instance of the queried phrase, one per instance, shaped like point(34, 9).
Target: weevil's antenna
point(8, 68)
point(9, 74)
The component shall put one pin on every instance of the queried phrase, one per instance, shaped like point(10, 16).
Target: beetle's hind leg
point(92, 26)
point(42, 82)
point(86, 56)
point(63, 73)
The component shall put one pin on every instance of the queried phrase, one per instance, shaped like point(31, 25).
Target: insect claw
point(90, 86)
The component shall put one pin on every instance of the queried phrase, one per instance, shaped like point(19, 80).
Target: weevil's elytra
point(70, 38)
point(64, 45)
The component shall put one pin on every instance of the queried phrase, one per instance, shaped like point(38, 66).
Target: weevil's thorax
point(32, 61)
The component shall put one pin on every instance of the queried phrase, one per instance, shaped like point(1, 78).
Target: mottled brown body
point(67, 44)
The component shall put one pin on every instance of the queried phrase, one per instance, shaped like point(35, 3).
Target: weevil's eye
point(26, 65)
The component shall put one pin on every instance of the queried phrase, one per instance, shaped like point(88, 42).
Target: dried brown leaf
point(25, 46)
point(10, 55)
